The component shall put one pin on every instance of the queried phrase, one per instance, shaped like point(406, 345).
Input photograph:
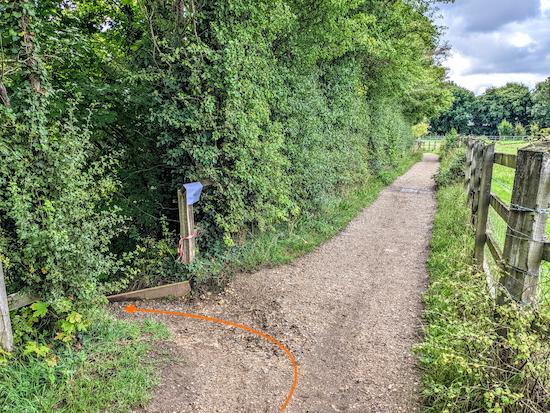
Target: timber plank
point(17, 300)
point(506, 159)
point(176, 290)
point(500, 207)
point(484, 201)
point(6, 335)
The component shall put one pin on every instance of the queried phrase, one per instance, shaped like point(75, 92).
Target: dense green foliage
point(541, 104)
point(459, 116)
point(453, 163)
point(505, 128)
point(511, 102)
point(471, 115)
point(108, 107)
point(476, 356)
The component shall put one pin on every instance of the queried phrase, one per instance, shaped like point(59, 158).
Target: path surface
point(348, 312)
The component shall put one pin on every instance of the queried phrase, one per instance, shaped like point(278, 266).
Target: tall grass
point(106, 370)
point(476, 356)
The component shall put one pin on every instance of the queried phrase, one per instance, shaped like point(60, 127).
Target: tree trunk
point(33, 69)
point(4, 95)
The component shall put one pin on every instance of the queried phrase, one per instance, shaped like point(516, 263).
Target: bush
point(519, 130)
point(534, 129)
point(452, 168)
point(505, 128)
point(450, 142)
point(54, 235)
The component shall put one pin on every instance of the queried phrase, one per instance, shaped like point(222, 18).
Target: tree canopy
point(459, 116)
point(540, 111)
point(470, 115)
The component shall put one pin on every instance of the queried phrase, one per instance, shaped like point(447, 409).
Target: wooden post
point(472, 173)
point(473, 169)
point(6, 336)
point(468, 169)
point(524, 244)
point(484, 201)
point(187, 226)
point(477, 179)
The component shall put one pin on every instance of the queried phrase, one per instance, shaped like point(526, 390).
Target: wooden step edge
point(175, 290)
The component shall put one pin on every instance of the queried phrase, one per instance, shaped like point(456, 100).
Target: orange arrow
point(131, 310)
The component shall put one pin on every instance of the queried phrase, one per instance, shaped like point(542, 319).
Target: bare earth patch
point(348, 312)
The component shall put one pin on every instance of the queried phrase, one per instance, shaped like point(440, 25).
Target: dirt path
point(348, 312)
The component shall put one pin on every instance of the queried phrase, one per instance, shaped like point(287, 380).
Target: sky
point(497, 41)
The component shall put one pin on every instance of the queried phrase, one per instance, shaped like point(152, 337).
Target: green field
point(503, 180)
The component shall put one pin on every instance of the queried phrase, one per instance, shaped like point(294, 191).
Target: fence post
point(187, 225)
point(484, 200)
point(6, 336)
point(473, 173)
point(467, 169)
point(477, 179)
point(525, 237)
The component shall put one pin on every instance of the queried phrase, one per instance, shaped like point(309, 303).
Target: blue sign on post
point(193, 192)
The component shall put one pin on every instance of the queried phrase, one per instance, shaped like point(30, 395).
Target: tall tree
point(540, 110)
point(459, 116)
point(511, 102)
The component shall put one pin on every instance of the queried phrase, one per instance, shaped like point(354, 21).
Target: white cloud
point(480, 82)
point(521, 39)
point(497, 41)
point(458, 64)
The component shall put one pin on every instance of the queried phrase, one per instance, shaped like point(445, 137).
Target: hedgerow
point(283, 107)
point(452, 167)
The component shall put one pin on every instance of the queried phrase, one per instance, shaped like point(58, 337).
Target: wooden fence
point(6, 336)
point(428, 145)
point(525, 246)
point(187, 234)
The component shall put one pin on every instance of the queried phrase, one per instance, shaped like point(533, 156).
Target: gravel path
point(348, 312)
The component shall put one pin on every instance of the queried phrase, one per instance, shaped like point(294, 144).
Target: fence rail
point(525, 245)
point(428, 144)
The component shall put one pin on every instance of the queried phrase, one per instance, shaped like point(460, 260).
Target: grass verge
point(103, 371)
point(476, 356)
point(307, 231)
